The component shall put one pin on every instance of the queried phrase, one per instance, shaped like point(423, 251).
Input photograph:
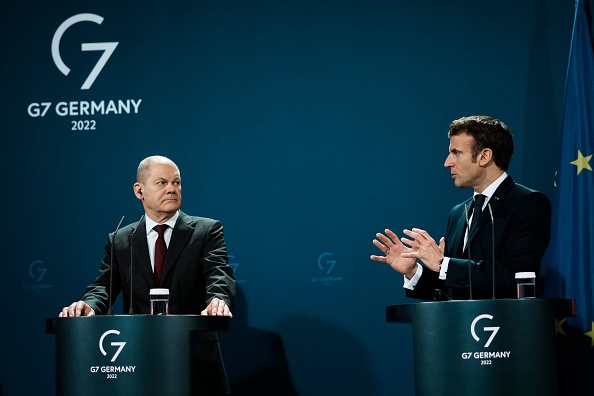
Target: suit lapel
point(498, 197)
point(142, 260)
point(460, 229)
point(182, 232)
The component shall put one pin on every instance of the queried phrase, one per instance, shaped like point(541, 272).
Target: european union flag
point(569, 272)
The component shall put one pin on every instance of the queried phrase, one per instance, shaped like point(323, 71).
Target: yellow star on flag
point(591, 334)
point(582, 162)
point(559, 326)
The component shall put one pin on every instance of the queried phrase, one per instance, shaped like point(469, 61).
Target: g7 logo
point(330, 263)
point(107, 48)
point(494, 330)
point(119, 344)
point(40, 270)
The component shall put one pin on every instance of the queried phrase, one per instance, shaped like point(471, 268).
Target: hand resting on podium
point(216, 307)
point(77, 308)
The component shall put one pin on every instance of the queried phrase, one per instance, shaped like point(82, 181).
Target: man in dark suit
point(480, 151)
point(195, 267)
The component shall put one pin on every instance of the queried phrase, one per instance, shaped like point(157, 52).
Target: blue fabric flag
point(569, 272)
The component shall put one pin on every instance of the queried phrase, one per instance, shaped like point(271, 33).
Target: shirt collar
point(489, 191)
point(150, 223)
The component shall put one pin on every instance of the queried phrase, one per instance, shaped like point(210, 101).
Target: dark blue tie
point(479, 200)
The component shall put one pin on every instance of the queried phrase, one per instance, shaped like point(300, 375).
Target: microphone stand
point(468, 248)
point(492, 246)
point(109, 310)
point(131, 309)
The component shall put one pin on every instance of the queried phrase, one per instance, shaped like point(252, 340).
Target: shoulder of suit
point(195, 220)
point(522, 190)
point(524, 197)
point(460, 207)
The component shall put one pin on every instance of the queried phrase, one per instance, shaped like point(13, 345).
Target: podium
point(129, 354)
point(484, 347)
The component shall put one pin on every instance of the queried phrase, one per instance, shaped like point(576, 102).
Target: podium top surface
point(405, 313)
point(191, 322)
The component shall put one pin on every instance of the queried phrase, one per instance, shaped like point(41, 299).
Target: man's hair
point(487, 132)
point(144, 168)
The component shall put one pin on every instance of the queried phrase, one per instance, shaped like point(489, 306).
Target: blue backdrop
point(304, 126)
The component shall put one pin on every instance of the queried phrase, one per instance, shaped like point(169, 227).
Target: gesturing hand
point(394, 251)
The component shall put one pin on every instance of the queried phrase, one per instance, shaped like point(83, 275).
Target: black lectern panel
point(127, 355)
point(484, 347)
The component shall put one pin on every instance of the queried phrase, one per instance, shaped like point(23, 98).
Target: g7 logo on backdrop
point(323, 263)
point(107, 48)
point(120, 345)
point(37, 270)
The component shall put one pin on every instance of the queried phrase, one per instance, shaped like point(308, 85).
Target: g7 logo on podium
point(107, 48)
point(493, 330)
point(118, 344)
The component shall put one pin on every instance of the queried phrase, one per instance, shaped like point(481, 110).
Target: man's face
point(161, 191)
point(465, 172)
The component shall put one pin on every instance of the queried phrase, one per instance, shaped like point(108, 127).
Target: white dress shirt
point(152, 235)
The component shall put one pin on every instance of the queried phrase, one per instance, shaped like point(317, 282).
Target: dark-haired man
point(479, 154)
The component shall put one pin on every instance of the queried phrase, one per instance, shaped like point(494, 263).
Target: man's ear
point(485, 156)
point(138, 191)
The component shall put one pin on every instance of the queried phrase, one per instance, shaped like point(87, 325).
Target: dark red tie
point(160, 251)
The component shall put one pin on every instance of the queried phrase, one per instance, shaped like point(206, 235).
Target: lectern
point(129, 354)
point(484, 347)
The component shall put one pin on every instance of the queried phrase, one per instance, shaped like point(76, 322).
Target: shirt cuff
point(411, 283)
point(443, 271)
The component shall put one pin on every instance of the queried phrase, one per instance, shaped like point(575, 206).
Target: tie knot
point(479, 200)
point(160, 228)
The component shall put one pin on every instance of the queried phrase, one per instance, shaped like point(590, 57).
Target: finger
point(442, 245)
point(421, 232)
point(221, 308)
point(409, 242)
point(412, 234)
point(203, 312)
point(381, 259)
point(71, 309)
point(424, 234)
point(81, 308)
point(391, 234)
point(379, 245)
point(387, 241)
point(78, 309)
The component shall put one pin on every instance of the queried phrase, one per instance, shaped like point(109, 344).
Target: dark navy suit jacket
point(522, 230)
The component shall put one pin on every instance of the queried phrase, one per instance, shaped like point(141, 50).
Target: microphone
point(492, 245)
point(109, 311)
point(468, 248)
point(438, 293)
point(130, 272)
